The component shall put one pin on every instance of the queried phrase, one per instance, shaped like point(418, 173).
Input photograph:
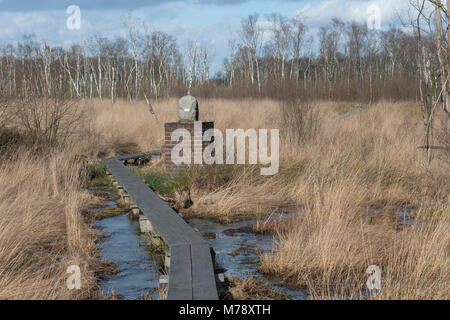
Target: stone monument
point(188, 109)
point(188, 114)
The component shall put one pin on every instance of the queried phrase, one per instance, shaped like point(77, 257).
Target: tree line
point(343, 61)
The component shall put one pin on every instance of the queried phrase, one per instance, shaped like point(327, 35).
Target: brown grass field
point(335, 178)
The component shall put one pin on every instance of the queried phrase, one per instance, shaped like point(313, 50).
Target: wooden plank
point(191, 272)
point(180, 274)
point(169, 225)
point(143, 197)
point(139, 155)
point(203, 277)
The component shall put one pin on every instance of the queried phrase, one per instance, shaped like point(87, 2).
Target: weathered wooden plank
point(139, 155)
point(169, 225)
point(203, 278)
point(180, 274)
point(147, 201)
point(191, 272)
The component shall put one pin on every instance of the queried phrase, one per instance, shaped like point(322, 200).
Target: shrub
point(97, 171)
point(301, 119)
point(47, 121)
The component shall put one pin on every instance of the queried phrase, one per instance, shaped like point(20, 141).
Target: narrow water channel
point(124, 245)
point(238, 252)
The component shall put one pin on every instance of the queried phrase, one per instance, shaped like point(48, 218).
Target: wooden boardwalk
point(191, 272)
point(148, 154)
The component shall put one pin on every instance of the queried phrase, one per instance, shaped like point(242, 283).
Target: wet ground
point(405, 215)
point(239, 251)
point(123, 244)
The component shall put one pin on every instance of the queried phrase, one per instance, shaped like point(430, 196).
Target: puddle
point(111, 204)
point(350, 113)
point(124, 245)
point(239, 252)
point(405, 215)
point(402, 212)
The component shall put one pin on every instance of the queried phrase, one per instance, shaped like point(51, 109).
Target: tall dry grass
point(131, 125)
point(381, 148)
point(41, 228)
point(335, 178)
point(125, 128)
point(364, 162)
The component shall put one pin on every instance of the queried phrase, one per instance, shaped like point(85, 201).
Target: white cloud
point(353, 10)
point(207, 24)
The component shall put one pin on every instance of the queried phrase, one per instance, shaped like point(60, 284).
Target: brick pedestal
point(195, 141)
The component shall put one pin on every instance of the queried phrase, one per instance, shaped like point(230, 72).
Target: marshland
point(356, 187)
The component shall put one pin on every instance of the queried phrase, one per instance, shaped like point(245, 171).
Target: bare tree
point(432, 74)
point(147, 64)
point(298, 33)
point(232, 46)
point(357, 37)
point(251, 35)
point(282, 35)
point(192, 49)
point(443, 49)
point(330, 40)
point(391, 42)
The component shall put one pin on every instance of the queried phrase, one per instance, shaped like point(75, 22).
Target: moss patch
point(163, 182)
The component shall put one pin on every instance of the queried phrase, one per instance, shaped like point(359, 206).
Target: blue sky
point(207, 21)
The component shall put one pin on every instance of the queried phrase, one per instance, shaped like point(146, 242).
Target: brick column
point(195, 141)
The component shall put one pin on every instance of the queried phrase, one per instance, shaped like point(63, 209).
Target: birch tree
point(251, 35)
point(432, 69)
